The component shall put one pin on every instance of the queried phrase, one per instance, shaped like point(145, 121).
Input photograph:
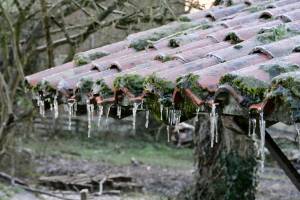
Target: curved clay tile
point(290, 16)
point(280, 48)
point(209, 77)
point(220, 13)
point(269, 13)
point(34, 79)
point(198, 53)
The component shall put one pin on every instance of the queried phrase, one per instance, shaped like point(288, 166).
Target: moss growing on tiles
point(85, 86)
point(233, 38)
point(85, 57)
point(274, 34)
point(256, 8)
point(45, 88)
point(100, 88)
point(143, 42)
point(184, 19)
point(161, 88)
point(238, 46)
point(133, 82)
point(190, 81)
point(290, 81)
point(287, 88)
point(250, 87)
point(164, 58)
point(279, 68)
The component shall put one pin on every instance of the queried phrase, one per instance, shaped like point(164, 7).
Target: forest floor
point(162, 169)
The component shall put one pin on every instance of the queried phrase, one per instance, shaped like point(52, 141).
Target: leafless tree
point(31, 28)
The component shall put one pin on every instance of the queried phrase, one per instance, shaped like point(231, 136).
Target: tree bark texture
point(228, 170)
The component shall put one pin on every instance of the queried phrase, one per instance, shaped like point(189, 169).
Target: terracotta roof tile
point(204, 56)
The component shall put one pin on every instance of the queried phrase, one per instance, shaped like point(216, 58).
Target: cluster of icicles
point(171, 115)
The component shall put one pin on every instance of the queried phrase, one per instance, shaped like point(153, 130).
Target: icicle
point(119, 111)
point(107, 114)
point(142, 104)
point(213, 125)
point(168, 133)
point(41, 104)
point(75, 109)
point(70, 114)
point(147, 118)
point(55, 107)
point(161, 111)
point(197, 114)
point(134, 110)
point(298, 131)
point(262, 128)
point(100, 113)
point(90, 113)
point(249, 126)
point(167, 113)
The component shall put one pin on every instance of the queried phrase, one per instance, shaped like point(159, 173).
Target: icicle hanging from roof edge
point(134, 111)
point(161, 107)
point(147, 118)
point(197, 114)
point(168, 133)
point(100, 114)
point(297, 127)
point(70, 114)
point(213, 125)
point(107, 114)
point(119, 111)
point(262, 128)
point(90, 113)
point(55, 107)
point(41, 105)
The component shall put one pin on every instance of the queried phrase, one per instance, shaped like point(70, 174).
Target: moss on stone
point(256, 8)
point(85, 57)
point(133, 82)
point(239, 172)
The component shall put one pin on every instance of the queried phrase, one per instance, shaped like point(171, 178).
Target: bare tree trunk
point(47, 28)
point(226, 171)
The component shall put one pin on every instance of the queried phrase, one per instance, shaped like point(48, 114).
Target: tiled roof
point(243, 57)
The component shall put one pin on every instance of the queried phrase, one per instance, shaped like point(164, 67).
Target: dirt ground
point(159, 183)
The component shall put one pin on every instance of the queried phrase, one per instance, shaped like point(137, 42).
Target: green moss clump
point(272, 35)
point(238, 46)
point(85, 57)
point(184, 19)
point(233, 38)
point(239, 172)
point(189, 81)
point(164, 58)
point(101, 89)
point(132, 82)
point(45, 88)
point(279, 68)
point(250, 87)
point(144, 41)
point(85, 86)
point(254, 9)
point(161, 88)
